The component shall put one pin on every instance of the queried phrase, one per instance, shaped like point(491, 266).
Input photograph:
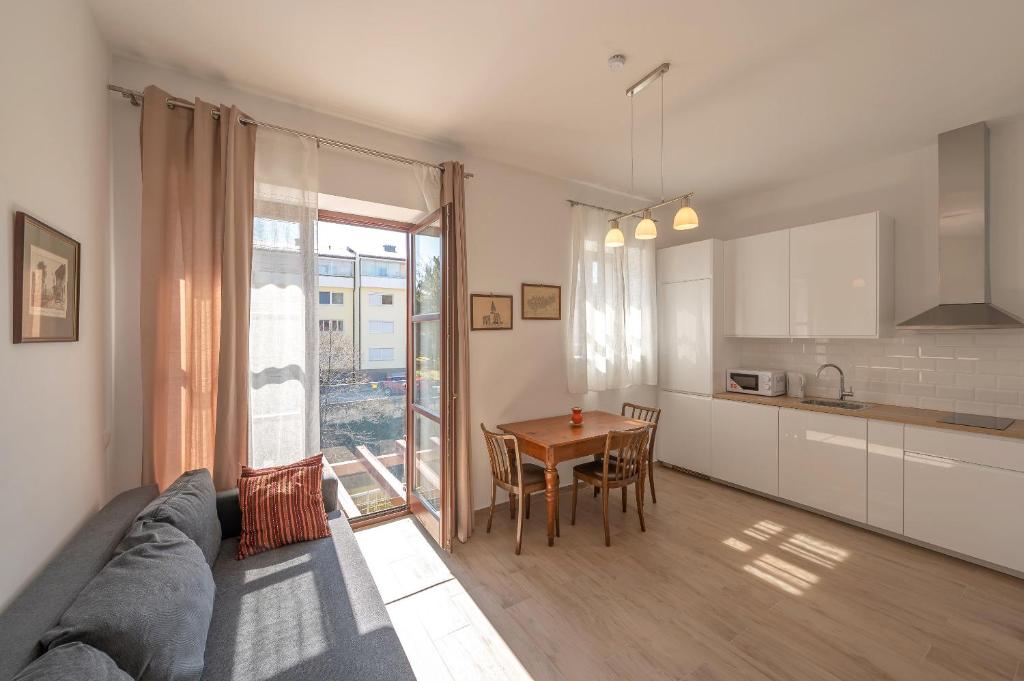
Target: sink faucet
point(843, 392)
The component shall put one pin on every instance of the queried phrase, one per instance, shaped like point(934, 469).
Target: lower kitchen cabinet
point(684, 431)
point(745, 445)
point(885, 475)
point(823, 462)
point(965, 507)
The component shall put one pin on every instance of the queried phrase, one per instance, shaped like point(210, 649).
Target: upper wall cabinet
point(757, 286)
point(840, 278)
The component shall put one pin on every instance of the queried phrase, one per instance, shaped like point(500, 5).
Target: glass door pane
point(426, 366)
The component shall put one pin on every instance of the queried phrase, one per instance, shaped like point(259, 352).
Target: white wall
point(978, 372)
point(518, 231)
point(53, 165)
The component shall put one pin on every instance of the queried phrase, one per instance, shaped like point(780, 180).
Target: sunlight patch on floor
point(445, 634)
point(783, 574)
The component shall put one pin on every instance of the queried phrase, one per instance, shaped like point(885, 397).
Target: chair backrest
point(503, 451)
point(642, 413)
point(625, 453)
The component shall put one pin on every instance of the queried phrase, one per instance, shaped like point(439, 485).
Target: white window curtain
point(284, 407)
point(612, 334)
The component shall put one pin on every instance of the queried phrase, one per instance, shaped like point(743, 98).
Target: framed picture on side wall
point(490, 312)
point(542, 301)
point(46, 282)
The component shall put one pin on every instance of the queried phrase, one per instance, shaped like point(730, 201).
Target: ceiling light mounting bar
point(638, 211)
point(136, 98)
point(648, 79)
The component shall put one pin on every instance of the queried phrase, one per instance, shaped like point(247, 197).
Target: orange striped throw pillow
point(281, 505)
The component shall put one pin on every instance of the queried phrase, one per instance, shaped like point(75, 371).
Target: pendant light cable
point(632, 155)
point(661, 142)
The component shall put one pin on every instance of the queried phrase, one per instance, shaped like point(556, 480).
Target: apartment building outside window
point(381, 299)
point(383, 268)
point(334, 267)
point(332, 324)
point(382, 354)
point(381, 326)
point(332, 297)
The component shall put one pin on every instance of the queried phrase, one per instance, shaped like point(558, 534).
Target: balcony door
point(428, 393)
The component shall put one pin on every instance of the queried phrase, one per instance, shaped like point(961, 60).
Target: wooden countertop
point(882, 412)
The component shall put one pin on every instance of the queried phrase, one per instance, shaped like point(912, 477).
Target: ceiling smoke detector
point(616, 62)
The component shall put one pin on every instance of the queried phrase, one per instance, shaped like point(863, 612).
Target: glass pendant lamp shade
point(686, 217)
point(614, 238)
point(646, 229)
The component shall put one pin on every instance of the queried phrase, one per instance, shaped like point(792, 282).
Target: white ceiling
point(760, 91)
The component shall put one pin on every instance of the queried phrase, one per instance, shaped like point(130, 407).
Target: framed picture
point(46, 282)
point(542, 301)
point(490, 312)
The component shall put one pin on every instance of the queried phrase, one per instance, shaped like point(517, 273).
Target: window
point(274, 234)
point(334, 267)
point(332, 324)
point(383, 268)
point(332, 298)
point(390, 248)
point(379, 326)
point(382, 354)
point(382, 299)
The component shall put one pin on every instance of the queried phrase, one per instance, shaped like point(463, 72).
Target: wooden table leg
point(551, 494)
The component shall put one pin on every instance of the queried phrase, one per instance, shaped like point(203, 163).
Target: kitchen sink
point(837, 404)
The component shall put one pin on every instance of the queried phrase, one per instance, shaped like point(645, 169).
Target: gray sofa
point(304, 611)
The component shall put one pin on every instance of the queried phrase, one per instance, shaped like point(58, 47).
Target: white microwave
point(769, 382)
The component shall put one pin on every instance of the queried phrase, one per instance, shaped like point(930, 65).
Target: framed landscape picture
point(46, 282)
point(490, 312)
point(542, 301)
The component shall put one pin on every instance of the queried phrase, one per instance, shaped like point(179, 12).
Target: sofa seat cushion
point(149, 608)
point(190, 504)
point(73, 662)
point(302, 611)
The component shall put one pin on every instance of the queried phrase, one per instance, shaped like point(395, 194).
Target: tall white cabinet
point(830, 279)
point(692, 356)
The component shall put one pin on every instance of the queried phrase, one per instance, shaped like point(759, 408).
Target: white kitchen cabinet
point(840, 277)
point(965, 507)
point(757, 285)
point(685, 339)
point(823, 462)
point(885, 475)
point(684, 431)
point(686, 262)
point(745, 444)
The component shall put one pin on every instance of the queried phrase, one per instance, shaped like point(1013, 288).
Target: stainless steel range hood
point(965, 296)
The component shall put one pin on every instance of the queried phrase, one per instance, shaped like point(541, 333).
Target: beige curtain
point(197, 200)
point(457, 361)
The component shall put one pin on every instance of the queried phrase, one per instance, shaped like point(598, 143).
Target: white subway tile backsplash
point(980, 372)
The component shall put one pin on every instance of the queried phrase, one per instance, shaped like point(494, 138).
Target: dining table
point(556, 439)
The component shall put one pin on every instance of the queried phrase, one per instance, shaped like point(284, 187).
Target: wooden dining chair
point(650, 415)
point(624, 463)
point(509, 473)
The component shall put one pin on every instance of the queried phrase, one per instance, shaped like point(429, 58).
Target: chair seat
point(532, 475)
point(591, 472)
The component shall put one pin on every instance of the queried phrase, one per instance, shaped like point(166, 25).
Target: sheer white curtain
point(612, 334)
point(284, 407)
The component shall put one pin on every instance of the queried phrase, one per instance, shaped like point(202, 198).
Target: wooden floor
point(723, 585)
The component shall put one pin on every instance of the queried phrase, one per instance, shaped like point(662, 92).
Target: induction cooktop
point(977, 420)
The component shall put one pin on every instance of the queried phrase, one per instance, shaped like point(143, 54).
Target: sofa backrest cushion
point(73, 662)
point(190, 504)
point(149, 609)
point(38, 607)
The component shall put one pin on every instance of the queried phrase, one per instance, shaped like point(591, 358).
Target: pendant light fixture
point(614, 238)
point(686, 217)
point(646, 229)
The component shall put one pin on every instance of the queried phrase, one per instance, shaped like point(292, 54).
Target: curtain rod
point(135, 97)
